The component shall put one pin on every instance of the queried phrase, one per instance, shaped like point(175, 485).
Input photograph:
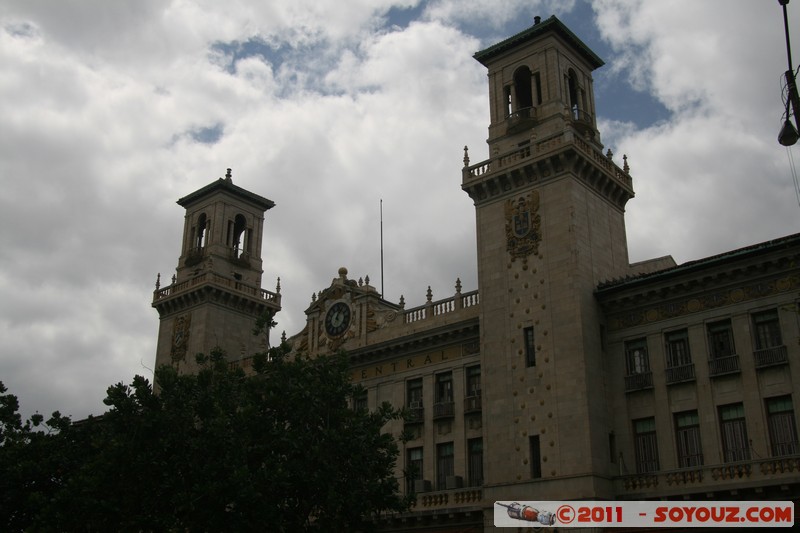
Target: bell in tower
point(216, 296)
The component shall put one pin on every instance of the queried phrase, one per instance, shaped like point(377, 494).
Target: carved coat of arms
point(523, 225)
point(180, 337)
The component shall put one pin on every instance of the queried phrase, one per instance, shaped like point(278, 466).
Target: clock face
point(338, 319)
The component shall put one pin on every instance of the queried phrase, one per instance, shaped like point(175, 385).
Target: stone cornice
point(211, 293)
point(550, 25)
point(415, 343)
point(687, 296)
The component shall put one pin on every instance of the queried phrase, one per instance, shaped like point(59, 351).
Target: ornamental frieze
point(705, 302)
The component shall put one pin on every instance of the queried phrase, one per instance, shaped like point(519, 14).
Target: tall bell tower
point(550, 226)
point(215, 296)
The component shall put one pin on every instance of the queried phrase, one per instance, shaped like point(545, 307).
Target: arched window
point(200, 232)
point(572, 85)
point(240, 241)
point(522, 88)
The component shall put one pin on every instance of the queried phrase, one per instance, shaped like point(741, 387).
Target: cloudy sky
point(111, 111)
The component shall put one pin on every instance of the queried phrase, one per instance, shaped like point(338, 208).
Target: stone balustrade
point(441, 307)
point(536, 149)
point(216, 279)
point(450, 498)
point(710, 478)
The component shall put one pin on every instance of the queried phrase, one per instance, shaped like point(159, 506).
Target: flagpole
point(382, 294)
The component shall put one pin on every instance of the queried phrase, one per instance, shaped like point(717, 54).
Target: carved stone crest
point(523, 225)
point(180, 337)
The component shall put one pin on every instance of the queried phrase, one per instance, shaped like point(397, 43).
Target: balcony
point(680, 374)
point(583, 121)
point(472, 404)
point(240, 256)
point(443, 409)
point(777, 355)
point(723, 365)
point(194, 256)
point(416, 413)
point(212, 278)
point(640, 381)
point(521, 120)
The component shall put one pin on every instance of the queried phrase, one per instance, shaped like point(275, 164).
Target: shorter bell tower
point(215, 296)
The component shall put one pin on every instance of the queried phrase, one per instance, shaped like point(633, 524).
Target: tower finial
point(228, 175)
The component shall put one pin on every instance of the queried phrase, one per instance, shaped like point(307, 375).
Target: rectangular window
point(445, 464)
point(360, 400)
point(416, 413)
point(536, 457)
point(444, 387)
point(443, 406)
point(678, 349)
point(687, 437)
point(612, 448)
point(646, 445)
point(414, 393)
point(636, 359)
point(767, 330)
point(474, 380)
point(720, 340)
point(413, 468)
point(735, 445)
point(530, 347)
point(637, 366)
point(475, 462)
point(782, 426)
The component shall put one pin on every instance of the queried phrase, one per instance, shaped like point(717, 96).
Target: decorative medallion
point(180, 337)
point(523, 226)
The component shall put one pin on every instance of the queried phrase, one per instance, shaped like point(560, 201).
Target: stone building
point(570, 373)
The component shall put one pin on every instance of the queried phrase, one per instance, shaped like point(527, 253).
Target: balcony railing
point(444, 409)
point(678, 374)
point(771, 356)
point(643, 380)
point(449, 498)
point(216, 279)
point(441, 307)
point(723, 365)
point(521, 119)
point(708, 478)
point(416, 415)
point(472, 404)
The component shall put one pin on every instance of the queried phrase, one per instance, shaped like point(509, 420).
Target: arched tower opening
point(523, 88)
point(241, 241)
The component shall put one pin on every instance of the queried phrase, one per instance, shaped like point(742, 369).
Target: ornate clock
point(338, 319)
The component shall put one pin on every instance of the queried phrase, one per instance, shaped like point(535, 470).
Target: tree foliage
point(280, 450)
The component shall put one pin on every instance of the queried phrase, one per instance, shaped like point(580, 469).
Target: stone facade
point(556, 411)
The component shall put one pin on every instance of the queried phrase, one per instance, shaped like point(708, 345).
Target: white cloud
point(495, 14)
point(714, 177)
